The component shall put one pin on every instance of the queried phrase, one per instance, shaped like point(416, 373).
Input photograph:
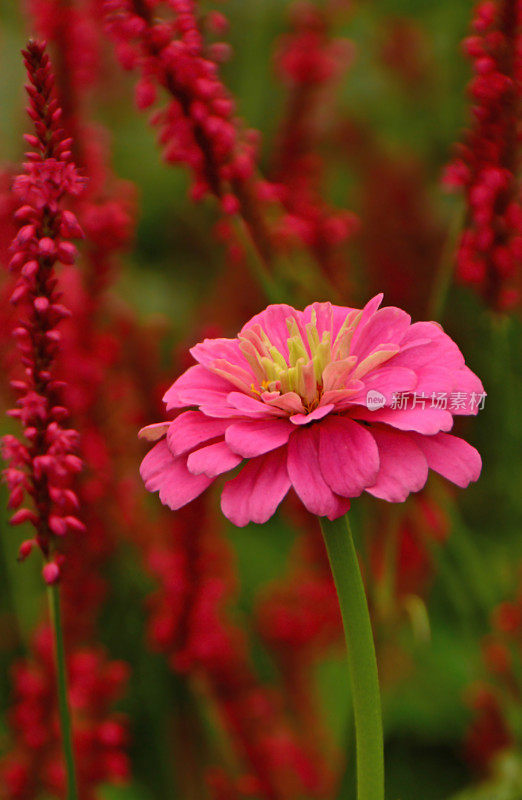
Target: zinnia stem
point(53, 595)
point(361, 657)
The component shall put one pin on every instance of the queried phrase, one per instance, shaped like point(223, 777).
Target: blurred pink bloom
point(290, 397)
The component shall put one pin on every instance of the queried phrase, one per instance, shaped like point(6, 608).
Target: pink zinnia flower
point(289, 397)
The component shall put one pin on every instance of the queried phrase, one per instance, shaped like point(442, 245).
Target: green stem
point(362, 662)
point(256, 264)
point(444, 275)
point(53, 595)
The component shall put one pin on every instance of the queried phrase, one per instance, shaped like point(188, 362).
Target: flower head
point(331, 401)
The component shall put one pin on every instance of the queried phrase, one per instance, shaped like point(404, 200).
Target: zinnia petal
point(196, 386)
point(210, 350)
point(251, 407)
point(273, 321)
point(213, 460)
point(313, 416)
point(435, 379)
point(168, 474)
point(439, 349)
point(469, 384)
point(254, 494)
point(388, 380)
point(424, 420)
point(307, 478)
point(324, 316)
point(250, 438)
point(192, 428)
point(451, 457)
point(367, 312)
point(348, 456)
point(386, 325)
point(403, 466)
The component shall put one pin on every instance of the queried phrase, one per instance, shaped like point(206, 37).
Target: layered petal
point(209, 351)
point(237, 405)
point(425, 420)
point(251, 438)
point(167, 474)
point(348, 456)
point(252, 407)
point(366, 314)
point(213, 460)
point(242, 379)
point(192, 428)
point(254, 494)
point(434, 380)
point(273, 320)
point(388, 325)
point(403, 466)
point(196, 386)
point(329, 318)
point(468, 384)
point(289, 402)
point(425, 344)
point(389, 380)
point(451, 457)
point(307, 478)
point(313, 416)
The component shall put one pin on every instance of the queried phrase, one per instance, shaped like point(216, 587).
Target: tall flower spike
point(199, 127)
point(32, 767)
point(43, 465)
point(487, 164)
point(493, 733)
point(310, 61)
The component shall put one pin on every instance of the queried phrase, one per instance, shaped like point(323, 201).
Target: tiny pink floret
point(329, 401)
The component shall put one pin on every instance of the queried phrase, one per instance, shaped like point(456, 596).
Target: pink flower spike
point(272, 403)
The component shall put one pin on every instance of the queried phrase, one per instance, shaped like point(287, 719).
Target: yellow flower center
point(310, 361)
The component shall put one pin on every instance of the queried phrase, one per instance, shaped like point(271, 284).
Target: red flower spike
point(35, 767)
point(486, 168)
point(492, 730)
point(48, 458)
